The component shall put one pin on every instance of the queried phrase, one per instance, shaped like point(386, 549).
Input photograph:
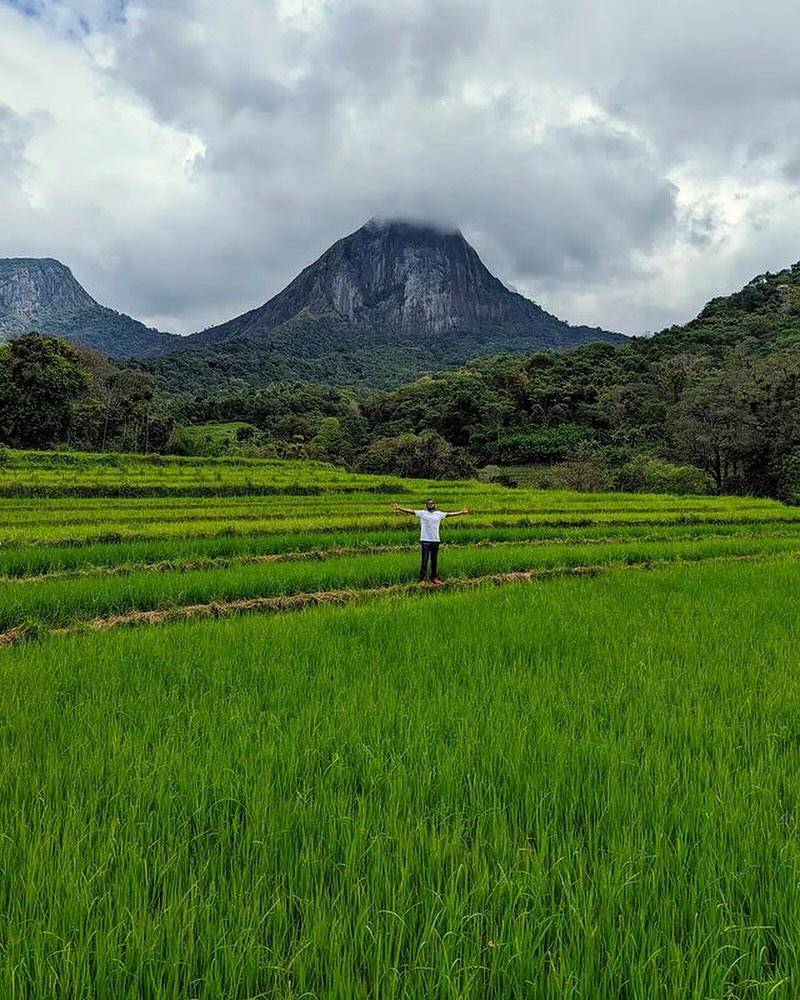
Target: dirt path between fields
point(114, 538)
point(301, 601)
point(319, 555)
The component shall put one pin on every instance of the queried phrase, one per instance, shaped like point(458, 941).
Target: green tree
point(331, 443)
point(41, 378)
point(715, 423)
point(119, 409)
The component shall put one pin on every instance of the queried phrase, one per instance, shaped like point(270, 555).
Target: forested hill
point(766, 311)
point(718, 399)
point(721, 394)
point(320, 344)
point(711, 405)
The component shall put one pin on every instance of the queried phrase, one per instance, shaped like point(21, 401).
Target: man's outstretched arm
point(455, 513)
point(403, 510)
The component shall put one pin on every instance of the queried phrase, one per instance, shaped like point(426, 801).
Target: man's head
point(430, 505)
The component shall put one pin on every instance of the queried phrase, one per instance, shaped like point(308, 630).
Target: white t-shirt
point(429, 521)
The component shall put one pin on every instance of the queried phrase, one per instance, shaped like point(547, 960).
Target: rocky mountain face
point(42, 294)
point(407, 282)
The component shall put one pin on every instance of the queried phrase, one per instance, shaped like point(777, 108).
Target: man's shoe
point(437, 580)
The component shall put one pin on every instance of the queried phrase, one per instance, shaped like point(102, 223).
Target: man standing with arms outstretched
point(429, 520)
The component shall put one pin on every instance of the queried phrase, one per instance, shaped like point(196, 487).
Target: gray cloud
point(600, 158)
point(15, 132)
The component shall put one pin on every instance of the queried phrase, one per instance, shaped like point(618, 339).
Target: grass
point(225, 549)
point(580, 789)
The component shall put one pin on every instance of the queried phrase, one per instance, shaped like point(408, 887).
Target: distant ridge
point(391, 301)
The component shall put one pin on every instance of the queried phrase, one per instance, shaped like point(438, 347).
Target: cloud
point(15, 131)
point(95, 173)
point(619, 164)
point(76, 18)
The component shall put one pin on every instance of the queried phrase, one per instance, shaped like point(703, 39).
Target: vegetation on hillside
point(602, 415)
point(713, 405)
point(326, 348)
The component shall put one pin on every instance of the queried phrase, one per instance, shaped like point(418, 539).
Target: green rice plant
point(282, 521)
point(580, 789)
point(199, 552)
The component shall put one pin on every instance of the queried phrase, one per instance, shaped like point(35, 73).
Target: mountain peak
point(401, 287)
point(42, 294)
point(42, 263)
point(408, 228)
point(30, 285)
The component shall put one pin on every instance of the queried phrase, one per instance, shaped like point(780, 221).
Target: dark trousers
point(430, 550)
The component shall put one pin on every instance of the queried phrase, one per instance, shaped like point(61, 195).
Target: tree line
point(627, 417)
point(711, 405)
point(659, 414)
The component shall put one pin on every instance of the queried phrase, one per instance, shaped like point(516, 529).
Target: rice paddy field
point(243, 754)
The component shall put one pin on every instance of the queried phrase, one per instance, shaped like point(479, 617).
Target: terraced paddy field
point(243, 754)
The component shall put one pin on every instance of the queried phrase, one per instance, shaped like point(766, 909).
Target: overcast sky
point(619, 162)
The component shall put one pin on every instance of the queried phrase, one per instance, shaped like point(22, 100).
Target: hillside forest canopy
point(712, 406)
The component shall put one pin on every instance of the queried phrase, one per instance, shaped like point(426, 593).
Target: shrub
point(586, 473)
point(543, 444)
point(651, 475)
point(789, 481)
point(417, 456)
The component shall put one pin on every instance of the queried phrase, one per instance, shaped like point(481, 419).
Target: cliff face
point(409, 282)
point(33, 288)
point(42, 294)
point(409, 279)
